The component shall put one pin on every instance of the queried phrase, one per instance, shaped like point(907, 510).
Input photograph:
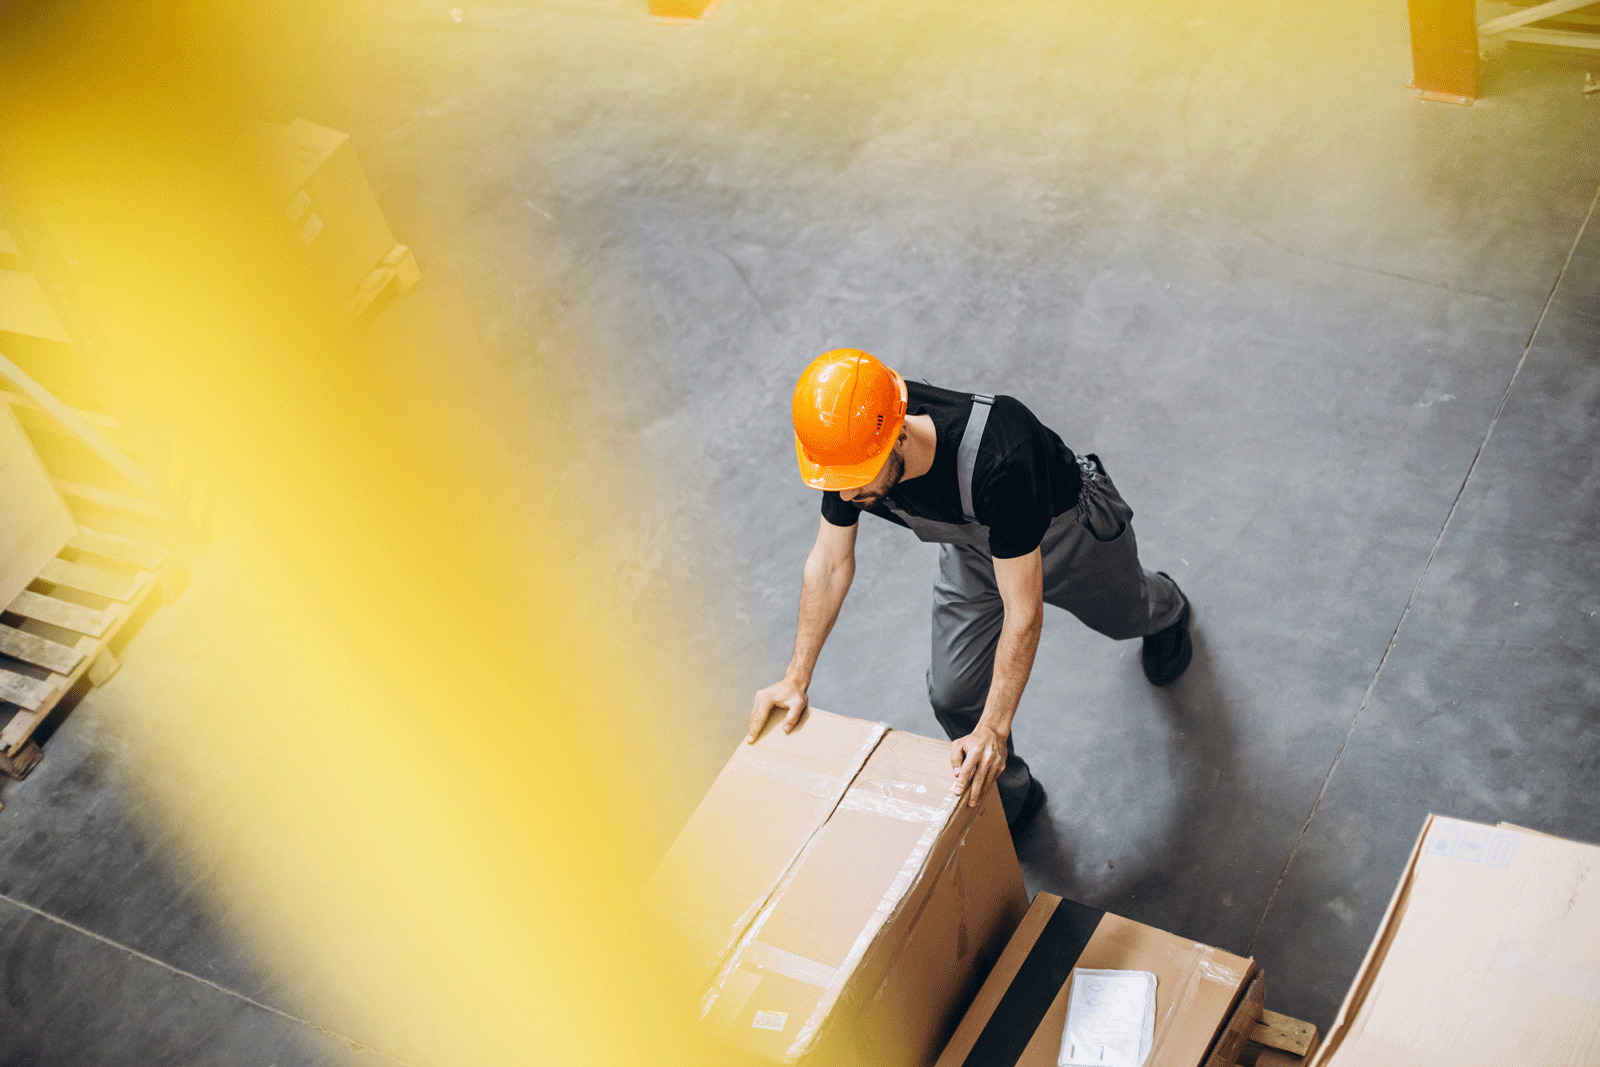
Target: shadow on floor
point(1197, 810)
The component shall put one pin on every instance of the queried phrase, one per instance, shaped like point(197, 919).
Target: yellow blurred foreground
point(396, 751)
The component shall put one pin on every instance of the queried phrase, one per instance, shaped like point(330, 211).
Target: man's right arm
point(829, 570)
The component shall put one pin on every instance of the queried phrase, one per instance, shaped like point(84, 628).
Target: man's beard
point(896, 467)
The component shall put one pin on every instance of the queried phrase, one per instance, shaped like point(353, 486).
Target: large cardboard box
point(34, 523)
point(840, 901)
point(1018, 1017)
point(328, 203)
point(33, 338)
point(1489, 954)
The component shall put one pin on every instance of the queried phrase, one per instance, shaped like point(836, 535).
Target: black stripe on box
point(1032, 991)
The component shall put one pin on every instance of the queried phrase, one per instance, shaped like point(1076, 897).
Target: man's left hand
point(977, 760)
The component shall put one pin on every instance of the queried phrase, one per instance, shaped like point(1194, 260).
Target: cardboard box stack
point(843, 905)
point(1020, 1015)
point(1489, 954)
point(331, 207)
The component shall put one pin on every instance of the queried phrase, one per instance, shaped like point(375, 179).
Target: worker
point(1021, 522)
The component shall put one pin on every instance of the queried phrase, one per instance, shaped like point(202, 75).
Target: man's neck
point(922, 441)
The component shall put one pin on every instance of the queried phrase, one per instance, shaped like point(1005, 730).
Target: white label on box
point(312, 227)
point(1111, 1019)
point(771, 1020)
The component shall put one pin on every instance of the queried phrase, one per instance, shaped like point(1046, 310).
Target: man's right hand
point(784, 694)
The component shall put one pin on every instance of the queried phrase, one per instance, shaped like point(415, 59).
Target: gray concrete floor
point(1340, 349)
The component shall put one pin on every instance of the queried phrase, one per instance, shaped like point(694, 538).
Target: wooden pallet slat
point(123, 549)
point(102, 667)
point(91, 580)
point(39, 651)
point(19, 764)
point(61, 613)
point(1281, 1032)
point(23, 691)
point(91, 658)
point(1257, 1037)
point(17, 730)
point(1271, 1057)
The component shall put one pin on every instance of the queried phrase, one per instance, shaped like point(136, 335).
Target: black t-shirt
point(1024, 476)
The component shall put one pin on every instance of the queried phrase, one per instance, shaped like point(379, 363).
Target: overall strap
point(967, 456)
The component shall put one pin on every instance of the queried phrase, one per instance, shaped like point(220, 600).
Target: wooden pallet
point(1256, 1037)
point(395, 273)
point(64, 627)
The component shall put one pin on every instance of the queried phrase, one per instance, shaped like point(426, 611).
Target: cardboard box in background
point(1019, 1015)
point(842, 904)
point(329, 204)
point(1489, 954)
point(33, 337)
point(34, 523)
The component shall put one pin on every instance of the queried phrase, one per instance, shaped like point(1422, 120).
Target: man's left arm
point(978, 758)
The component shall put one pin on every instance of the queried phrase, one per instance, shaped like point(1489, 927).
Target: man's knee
point(955, 696)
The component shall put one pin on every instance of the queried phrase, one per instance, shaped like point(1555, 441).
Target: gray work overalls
point(1091, 568)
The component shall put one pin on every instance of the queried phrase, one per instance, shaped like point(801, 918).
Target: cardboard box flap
point(1201, 983)
point(1489, 954)
point(854, 876)
point(771, 798)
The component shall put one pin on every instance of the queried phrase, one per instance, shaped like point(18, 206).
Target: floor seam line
point(235, 994)
point(1362, 268)
point(1394, 637)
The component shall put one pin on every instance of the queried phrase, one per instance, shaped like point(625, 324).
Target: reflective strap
point(967, 457)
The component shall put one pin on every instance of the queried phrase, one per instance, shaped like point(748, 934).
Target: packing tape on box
point(759, 764)
point(892, 807)
point(730, 961)
point(807, 1035)
point(1215, 972)
point(736, 993)
point(1200, 970)
point(739, 986)
point(952, 866)
point(765, 957)
point(1038, 981)
point(727, 977)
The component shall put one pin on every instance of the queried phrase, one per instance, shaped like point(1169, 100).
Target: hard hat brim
point(846, 476)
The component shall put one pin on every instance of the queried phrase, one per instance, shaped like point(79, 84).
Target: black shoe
point(1166, 654)
point(1031, 806)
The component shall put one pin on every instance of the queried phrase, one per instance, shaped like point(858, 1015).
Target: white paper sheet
point(1111, 1019)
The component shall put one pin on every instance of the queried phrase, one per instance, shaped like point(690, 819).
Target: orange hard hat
point(848, 409)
